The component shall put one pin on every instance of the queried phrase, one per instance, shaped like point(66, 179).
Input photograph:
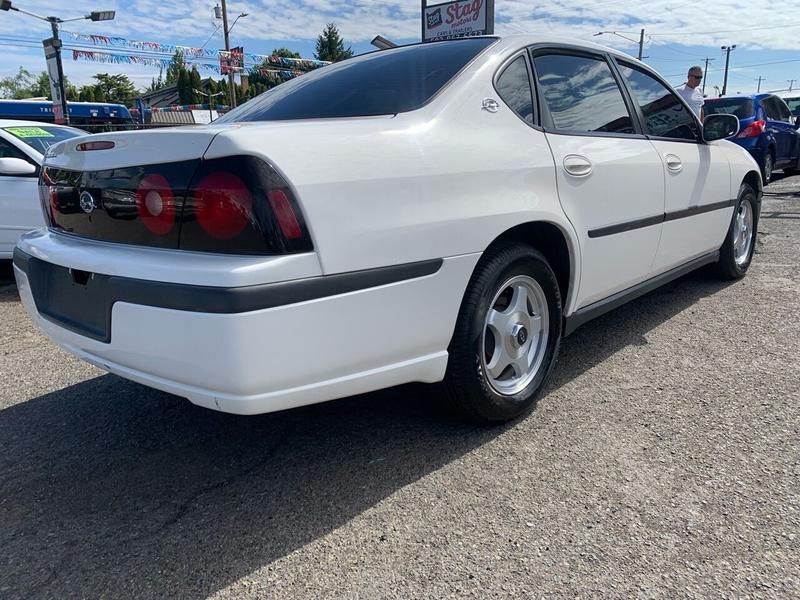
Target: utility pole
point(641, 39)
point(791, 83)
point(52, 53)
point(641, 43)
point(727, 50)
point(705, 75)
point(760, 79)
point(231, 78)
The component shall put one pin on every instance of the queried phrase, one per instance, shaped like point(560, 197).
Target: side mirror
point(16, 166)
point(719, 127)
point(797, 122)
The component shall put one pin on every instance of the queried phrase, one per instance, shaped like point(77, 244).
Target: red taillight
point(755, 129)
point(282, 207)
point(156, 203)
point(223, 205)
point(88, 146)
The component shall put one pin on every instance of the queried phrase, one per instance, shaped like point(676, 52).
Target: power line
point(684, 33)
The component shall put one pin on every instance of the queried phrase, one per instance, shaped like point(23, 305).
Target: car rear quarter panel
point(442, 181)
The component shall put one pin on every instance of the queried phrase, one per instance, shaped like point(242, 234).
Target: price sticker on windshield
point(29, 132)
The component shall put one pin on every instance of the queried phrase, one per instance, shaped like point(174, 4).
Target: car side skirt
point(587, 313)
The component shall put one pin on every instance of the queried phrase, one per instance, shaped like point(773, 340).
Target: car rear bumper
point(246, 359)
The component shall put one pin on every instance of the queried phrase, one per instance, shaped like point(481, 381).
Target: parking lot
point(663, 461)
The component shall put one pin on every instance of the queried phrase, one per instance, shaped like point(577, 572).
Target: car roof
point(528, 39)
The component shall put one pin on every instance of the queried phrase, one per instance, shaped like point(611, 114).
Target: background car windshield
point(380, 83)
point(41, 137)
point(739, 107)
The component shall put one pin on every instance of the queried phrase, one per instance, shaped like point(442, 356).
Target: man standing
point(691, 91)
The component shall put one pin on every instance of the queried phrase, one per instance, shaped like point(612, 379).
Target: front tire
point(507, 336)
point(737, 251)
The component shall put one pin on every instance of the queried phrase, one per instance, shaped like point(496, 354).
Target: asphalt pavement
point(663, 462)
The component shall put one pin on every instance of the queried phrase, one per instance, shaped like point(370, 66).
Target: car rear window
point(41, 137)
point(743, 108)
point(385, 82)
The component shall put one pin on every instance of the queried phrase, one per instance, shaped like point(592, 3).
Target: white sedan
point(22, 146)
point(435, 212)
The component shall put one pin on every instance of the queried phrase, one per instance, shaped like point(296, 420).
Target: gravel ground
point(664, 461)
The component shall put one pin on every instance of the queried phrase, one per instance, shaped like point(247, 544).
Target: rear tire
point(506, 338)
point(768, 167)
point(737, 251)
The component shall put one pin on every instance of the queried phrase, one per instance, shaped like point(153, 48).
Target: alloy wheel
point(515, 335)
point(743, 232)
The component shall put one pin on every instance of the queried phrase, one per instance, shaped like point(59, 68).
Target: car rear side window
point(514, 87)
point(385, 82)
point(581, 94)
point(664, 114)
point(744, 108)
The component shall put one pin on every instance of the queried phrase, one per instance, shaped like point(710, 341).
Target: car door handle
point(674, 163)
point(577, 165)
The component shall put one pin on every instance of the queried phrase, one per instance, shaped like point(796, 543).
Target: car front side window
point(664, 114)
point(581, 94)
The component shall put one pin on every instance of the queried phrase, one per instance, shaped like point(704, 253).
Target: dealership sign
point(461, 18)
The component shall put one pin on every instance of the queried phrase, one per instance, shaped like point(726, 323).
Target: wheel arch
point(558, 248)
point(753, 179)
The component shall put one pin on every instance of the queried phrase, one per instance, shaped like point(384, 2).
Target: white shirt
point(693, 97)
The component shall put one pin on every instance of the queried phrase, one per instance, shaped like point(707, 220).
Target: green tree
point(196, 83)
point(86, 94)
point(185, 94)
point(330, 46)
point(18, 85)
point(114, 88)
point(157, 82)
point(285, 53)
point(176, 64)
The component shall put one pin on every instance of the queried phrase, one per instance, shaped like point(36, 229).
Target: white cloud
point(668, 24)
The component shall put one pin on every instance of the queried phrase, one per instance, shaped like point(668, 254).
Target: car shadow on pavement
point(111, 489)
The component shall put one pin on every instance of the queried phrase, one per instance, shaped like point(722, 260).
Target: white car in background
point(441, 211)
point(22, 146)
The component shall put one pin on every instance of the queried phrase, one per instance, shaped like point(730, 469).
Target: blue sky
point(679, 33)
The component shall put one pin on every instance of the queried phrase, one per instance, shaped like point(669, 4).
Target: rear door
point(609, 177)
point(697, 175)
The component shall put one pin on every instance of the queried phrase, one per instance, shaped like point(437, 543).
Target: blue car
point(767, 129)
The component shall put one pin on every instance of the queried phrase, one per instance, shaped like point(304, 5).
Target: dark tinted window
point(770, 108)
point(783, 110)
point(664, 114)
point(8, 150)
point(581, 94)
point(380, 83)
point(744, 108)
point(514, 87)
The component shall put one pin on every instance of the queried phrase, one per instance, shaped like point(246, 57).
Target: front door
point(698, 201)
point(609, 176)
point(20, 210)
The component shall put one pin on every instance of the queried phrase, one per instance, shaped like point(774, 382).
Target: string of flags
point(279, 74)
point(190, 52)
